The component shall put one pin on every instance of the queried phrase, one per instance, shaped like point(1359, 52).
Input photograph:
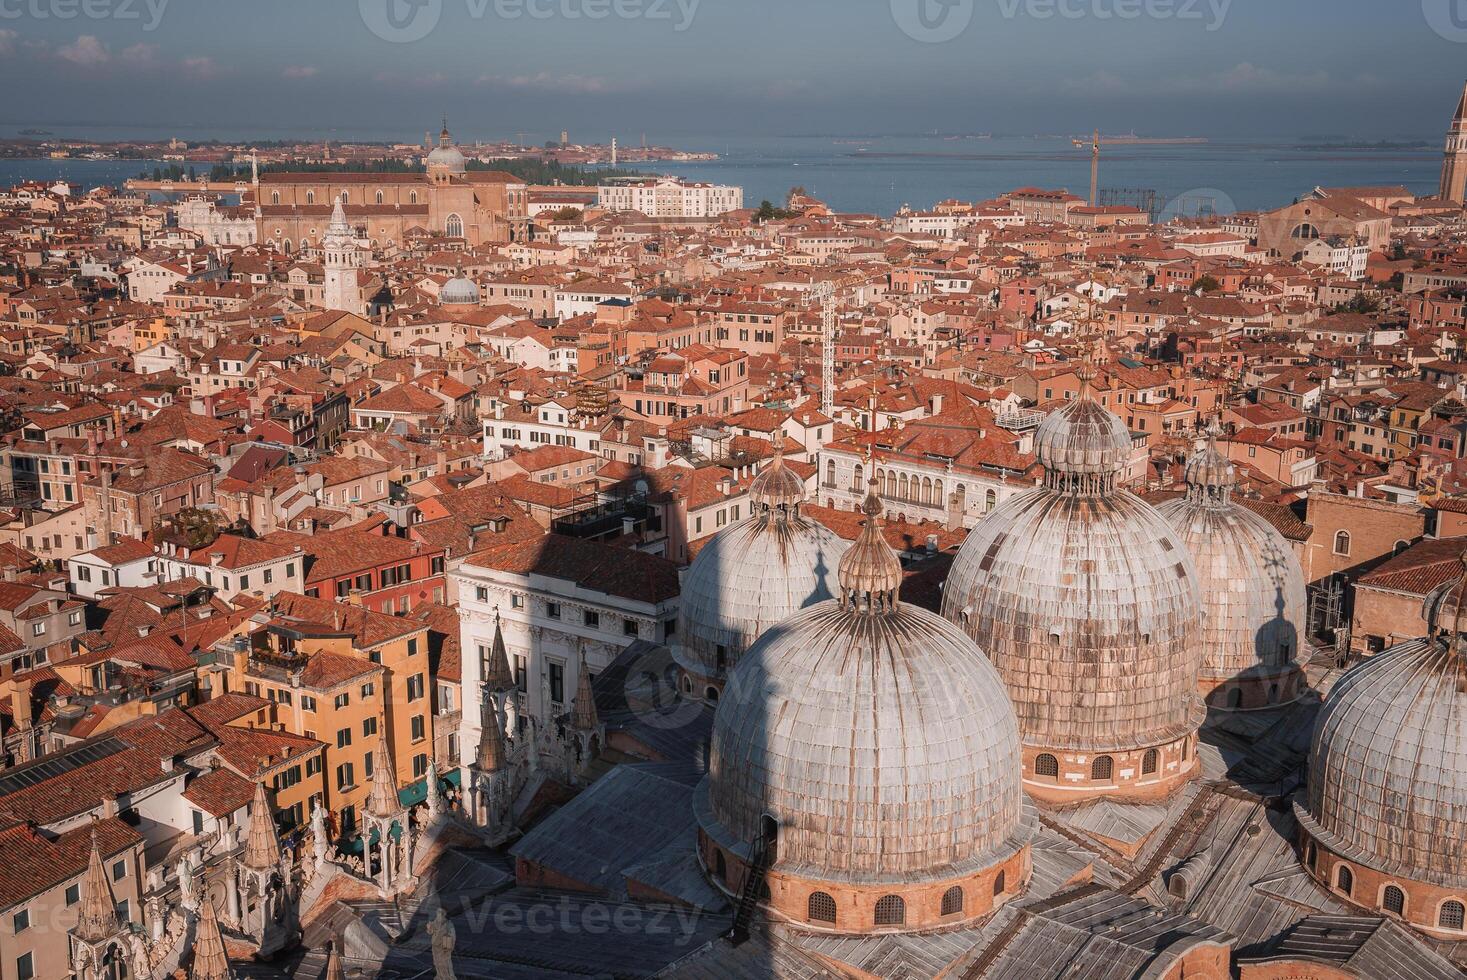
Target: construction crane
point(1094, 167)
point(825, 292)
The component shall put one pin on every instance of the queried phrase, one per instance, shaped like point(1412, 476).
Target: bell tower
point(1454, 169)
point(343, 259)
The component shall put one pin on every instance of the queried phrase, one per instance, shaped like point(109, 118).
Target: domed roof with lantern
point(754, 574)
point(459, 291)
point(446, 156)
point(1388, 764)
point(875, 734)
point(1084, 597)
point(1252, 586)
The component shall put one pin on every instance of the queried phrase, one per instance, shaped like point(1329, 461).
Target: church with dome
point(446, 198)
point(1103, 748)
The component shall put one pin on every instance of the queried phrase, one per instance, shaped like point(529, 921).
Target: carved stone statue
point(444, 937)
point(320, 838)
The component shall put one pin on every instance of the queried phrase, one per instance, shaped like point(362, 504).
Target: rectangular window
point(342, 700)
point(415, 687)
point(308, 703)
point(420, 765)
point(520, 674)
point(517, 602)
point(368, 690)
point(412, 647)
point(552, 609)
point(119, 871)
point(25, 967)
point(591, 617)
point(629, 627)
point(369, 727)
point(369, 766)
point(481, 593)
point(73, 894)
point(344, 777)
point(343, 738)
point(557, 683)
point(419, 728)
point(21, 920)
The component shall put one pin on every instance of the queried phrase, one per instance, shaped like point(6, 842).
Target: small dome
point(882, 743)
point(1253, 592)
point(1388, 766)
point(750, 577)
point(446, 156)
point(1083, 445)
point(777, 486)
point(459, 291)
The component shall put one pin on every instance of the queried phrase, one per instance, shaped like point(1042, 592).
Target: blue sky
point(1359, 68)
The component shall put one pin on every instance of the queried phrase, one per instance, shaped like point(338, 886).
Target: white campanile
point(343, 259)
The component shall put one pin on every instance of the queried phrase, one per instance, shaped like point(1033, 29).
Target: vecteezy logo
point(1447, 17)
point(932, 21)
point(400, 21)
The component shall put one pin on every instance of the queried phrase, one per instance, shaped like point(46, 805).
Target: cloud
point(551, 82)
point(301, 71)
point(7, 41)
point(200, 66)
point(86, 51)
point(140, 55)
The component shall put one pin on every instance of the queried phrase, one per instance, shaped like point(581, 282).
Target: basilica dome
point(1252, 590)
point(446, 156)
point(1387, 801)
point(750, 576)
point(877, 746)
point(459, 291)
point(1089, 606)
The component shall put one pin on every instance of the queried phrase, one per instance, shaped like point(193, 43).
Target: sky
point(1362, 69)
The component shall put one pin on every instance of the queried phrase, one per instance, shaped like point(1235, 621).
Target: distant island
point(1362, 145)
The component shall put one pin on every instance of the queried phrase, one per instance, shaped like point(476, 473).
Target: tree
point(1207, 284)
point(567, 214)
point(768, 212)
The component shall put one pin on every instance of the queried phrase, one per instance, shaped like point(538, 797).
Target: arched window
point(990, 500)
point(1451, 915)
point(379, 197)
point(711, 695)
point(952, 900)
point(412, 197)
point(1393, 900)
point(891, 911)
point(860, 475)
point(345, 197)
point(1000, 884)
point(891, 484)
point(1345, 880)
point(1400, 547)
point(821, 908)
point(1149, 762)
point(1305, 231)
point(1046, 765)
point(720, 866)
point(1102, 767)
point(927, 490)
point(274, 197)
point(937, 497)
point(830, 473)
point(310, 197)
point(902, 490)
point(1342, 543)
point(453, 227)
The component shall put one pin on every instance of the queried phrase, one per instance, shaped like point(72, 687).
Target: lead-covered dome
point(878, 738)
point(459, 291)
point(1388, 765)
point(446, 156)
point(1252, 589)
point(1089, 606)
point(752, 575)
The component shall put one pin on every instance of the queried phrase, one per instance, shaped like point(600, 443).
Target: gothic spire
point(211, 962)
point(870, 573)
point(262, 845)
point(586, 719)
point(383, 801)
point(491, 754)
point(498, 677)
point(98, 917)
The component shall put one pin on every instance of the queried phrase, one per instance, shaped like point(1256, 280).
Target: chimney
point(20, 700)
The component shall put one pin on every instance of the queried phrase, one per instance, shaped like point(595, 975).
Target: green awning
point(454, 778)
point(413, 793)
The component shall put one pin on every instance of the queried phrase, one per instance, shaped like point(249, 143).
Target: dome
point(446, 156)
point(459, 291)
point(1086, 600)
point(878, 738)
point(1083, 438)
point(751, 576)
point(777, 485)
point(1388, 765)
point(1253, 594)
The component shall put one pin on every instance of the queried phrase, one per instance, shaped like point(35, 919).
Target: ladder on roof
point(760, 855)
